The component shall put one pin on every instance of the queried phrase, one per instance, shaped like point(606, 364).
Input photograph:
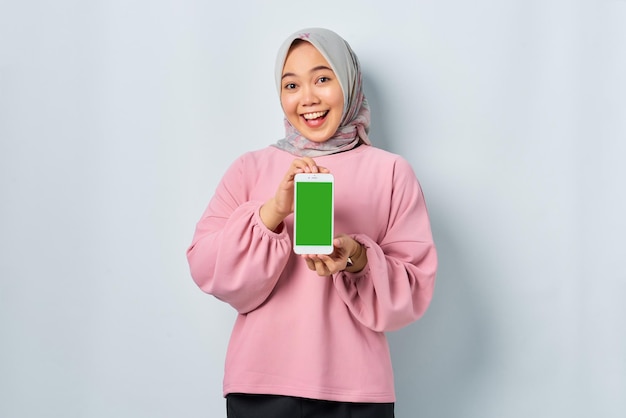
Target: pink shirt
point(297, 333)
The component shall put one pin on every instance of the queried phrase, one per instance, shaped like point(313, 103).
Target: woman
point(310, 334)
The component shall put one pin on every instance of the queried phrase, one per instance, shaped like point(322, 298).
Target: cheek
point(337, 100)
point(289, 109)
point(338, 105)
point(287, 103)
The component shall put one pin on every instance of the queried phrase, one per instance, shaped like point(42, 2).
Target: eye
point(323, 79)
point(289, 86)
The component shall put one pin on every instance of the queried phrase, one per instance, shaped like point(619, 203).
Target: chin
point(316, 136)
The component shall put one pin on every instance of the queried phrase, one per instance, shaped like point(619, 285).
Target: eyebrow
point(314, 69)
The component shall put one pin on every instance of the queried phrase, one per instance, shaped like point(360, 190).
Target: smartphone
point(314, 213)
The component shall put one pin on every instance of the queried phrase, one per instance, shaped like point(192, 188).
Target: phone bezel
point(314, 178)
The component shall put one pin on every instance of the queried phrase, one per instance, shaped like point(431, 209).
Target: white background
point(118, 118)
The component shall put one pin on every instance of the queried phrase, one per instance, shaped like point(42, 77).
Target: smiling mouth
point(314, 115)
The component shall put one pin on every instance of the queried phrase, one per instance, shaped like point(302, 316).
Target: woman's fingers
point(307, 165)
point(323, 265)
point(281, 205)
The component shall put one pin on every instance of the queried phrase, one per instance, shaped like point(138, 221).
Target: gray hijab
point(355, 121)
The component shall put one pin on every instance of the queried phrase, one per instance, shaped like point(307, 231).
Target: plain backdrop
point(118, 119)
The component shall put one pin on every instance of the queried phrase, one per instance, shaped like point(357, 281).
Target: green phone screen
point(314, 213)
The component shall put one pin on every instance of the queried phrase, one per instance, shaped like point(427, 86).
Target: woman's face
point(310, 93)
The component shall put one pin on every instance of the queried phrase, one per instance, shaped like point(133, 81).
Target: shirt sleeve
point(233, 255)
point(396, 286)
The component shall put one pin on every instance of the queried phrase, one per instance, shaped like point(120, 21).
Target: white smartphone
point(314, 213)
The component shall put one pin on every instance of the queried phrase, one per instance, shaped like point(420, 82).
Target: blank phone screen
point(314, 213)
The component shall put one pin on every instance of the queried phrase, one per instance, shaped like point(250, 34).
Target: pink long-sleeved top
point(297, 333)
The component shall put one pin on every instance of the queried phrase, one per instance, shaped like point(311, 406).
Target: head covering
point(355, 121)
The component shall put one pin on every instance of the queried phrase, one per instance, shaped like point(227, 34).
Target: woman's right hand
point(276, 209)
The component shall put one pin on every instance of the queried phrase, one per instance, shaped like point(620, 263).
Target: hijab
point(355, 121)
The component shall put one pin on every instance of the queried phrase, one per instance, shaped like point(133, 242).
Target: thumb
point(343, 242)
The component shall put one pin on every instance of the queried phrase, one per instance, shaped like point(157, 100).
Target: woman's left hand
point(326, 265)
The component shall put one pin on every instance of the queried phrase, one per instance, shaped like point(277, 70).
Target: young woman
point(309, 339)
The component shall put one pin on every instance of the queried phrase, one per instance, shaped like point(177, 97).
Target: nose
point(309, 95)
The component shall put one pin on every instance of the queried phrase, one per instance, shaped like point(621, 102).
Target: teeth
point(313, 115)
